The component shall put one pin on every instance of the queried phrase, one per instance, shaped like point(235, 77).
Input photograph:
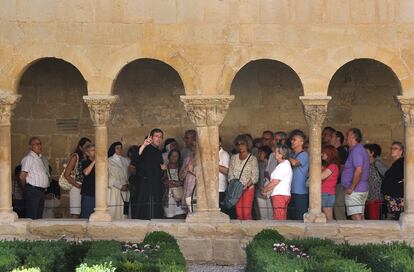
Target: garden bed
point(158, 252)
point(269, 251)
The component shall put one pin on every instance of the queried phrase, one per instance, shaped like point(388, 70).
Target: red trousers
point(245, 204)
point(373, 209)
point(280, 204)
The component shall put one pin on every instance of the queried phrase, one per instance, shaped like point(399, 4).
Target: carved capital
point(100, 108)
point(207, 110)
point(315, 109)
point(407, 109)
point(7, 104)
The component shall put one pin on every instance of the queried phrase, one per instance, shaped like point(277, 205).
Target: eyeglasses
point(238, 144)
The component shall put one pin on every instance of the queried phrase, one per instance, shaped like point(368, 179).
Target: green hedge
point(326, 256)
point(158, 252)
point(381, 257)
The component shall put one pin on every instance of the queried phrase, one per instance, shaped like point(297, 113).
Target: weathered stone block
point(123, 230)
point(58, 228)
point(202, 229)
point(228, 251)
point(200, 250)
point(324, 231)
point(273, 11)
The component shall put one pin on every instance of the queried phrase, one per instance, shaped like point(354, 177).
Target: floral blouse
point(374, 183)
point(251, 170)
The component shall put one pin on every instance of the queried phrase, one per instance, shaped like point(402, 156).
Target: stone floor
point(193, 267)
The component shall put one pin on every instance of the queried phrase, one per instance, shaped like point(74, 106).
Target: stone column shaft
point(7, 104)
point(207, 113)
point(407, 111)
point(315, 109)
point(100, 109)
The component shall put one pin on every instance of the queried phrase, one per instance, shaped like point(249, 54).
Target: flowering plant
point(105, 267)
point(139, 248)
point(22, 269)
point(290, 249)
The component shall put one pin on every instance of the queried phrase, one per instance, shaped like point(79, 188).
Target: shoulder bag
point(63, 182)
point(235, 189)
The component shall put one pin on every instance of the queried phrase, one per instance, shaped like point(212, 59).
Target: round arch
point(22, 64)
point(384, 56)
point(172, 58)
point(239, 58)
point(363, 95)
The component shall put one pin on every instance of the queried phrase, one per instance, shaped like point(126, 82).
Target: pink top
point(328, 184)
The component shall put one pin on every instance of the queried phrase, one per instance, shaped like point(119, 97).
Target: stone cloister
point(113, 70)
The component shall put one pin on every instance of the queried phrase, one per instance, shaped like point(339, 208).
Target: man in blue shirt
point(299, 160)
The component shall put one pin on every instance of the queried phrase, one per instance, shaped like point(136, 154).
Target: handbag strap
point(241, 173)
point(168, 173)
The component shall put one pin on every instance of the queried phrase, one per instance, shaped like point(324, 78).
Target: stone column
point(207, 112)
point(100, 109)
point(7, 104)
point(407, 111)
point(315, 109)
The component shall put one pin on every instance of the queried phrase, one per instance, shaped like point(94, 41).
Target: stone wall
point(206, 41)
point(215, 243)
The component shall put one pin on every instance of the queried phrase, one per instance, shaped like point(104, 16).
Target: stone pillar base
point(407, 219)
point(100, 216)
point(314, 217)
point(8, 216)
point(207, 217)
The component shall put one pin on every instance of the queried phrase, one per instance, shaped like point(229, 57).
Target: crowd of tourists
point(260, 178)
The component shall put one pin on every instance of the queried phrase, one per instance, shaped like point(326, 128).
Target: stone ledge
point(56, 228)
point(221, 243)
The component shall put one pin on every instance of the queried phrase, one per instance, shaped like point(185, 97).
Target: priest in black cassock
point(149, 190)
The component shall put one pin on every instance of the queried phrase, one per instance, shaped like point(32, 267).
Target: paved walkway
point(214, 268)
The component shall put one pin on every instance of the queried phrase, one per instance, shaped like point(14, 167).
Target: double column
point(407, 111)
point(7, 104)
point(315, 109)
point(207, 112)
point(100, 107)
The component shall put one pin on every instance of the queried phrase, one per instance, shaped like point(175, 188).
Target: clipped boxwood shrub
point(308, 243)
point(381, 257)
point(261, 257)
point(337, 265)
point(8, 260)
point(269, 235)
point(160, 237)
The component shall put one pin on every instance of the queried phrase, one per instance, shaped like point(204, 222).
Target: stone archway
point(149, 92)
point(51, 108)
point(266, 98)
point(363, 95)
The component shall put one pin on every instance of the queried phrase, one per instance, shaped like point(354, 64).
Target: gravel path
point(214, 268)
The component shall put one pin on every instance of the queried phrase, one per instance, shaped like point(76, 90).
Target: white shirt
point(271, 164)
point(224, 160)
point(37, 170)
point(283, 172)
